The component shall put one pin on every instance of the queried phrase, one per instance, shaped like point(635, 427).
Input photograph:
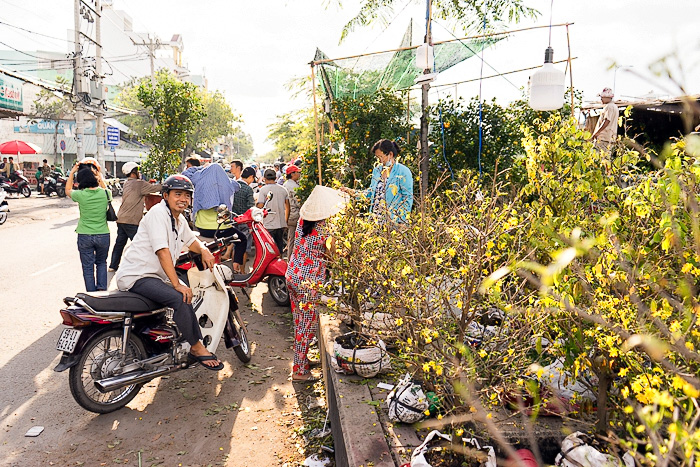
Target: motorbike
point(4, 207)
point(19, 186)
point(55, 183)
point(115, 341)
point(267, 264)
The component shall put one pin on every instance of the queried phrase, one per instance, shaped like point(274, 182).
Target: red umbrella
point(19, 147)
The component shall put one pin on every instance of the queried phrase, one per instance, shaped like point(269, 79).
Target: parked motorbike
point(4, 207)
point(115, 342)
point(55, 183)
point(267, 264)
point(19, 186)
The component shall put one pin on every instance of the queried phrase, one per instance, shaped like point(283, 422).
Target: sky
point(250, 49)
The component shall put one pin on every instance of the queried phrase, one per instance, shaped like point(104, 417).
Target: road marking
point(46, 269)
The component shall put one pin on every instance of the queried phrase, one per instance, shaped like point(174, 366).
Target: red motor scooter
point(267, 265)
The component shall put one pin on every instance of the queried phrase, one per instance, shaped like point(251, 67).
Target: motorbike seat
point(118, 301)
point(241, 277)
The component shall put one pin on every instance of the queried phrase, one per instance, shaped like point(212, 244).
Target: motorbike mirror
point(269, 195)
point(221, 208)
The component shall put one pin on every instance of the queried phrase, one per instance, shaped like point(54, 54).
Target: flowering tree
point(176, 110)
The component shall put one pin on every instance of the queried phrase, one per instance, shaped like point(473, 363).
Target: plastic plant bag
point(407, 403)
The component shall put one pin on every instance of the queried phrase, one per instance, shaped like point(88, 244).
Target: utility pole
point(100, 129)
point(424, 162)
point(152, 46)
point(77, 80)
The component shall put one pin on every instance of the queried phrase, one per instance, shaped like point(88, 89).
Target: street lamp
point(615, 74)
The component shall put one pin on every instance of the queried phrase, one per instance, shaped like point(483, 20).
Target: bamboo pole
point(400, 49)
point(495, 76)
point(318, 140)
point(571, 71)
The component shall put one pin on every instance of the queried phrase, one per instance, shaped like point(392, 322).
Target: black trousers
point(124, 232)
point(163, 293)
point(278, 237)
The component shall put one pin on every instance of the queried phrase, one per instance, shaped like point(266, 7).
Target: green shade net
point(350, 77)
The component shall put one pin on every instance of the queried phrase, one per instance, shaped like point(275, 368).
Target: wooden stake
point(318, 139)
point(571, 72)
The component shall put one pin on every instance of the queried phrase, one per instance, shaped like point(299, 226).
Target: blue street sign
point(62, 144)
point(113, 136)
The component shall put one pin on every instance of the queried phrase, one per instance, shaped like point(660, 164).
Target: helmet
point(129, 167)
point(177, 182)
point(91, 161)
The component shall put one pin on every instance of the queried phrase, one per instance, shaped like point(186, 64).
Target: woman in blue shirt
point(391, 188)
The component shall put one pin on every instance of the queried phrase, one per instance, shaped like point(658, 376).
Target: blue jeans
point(93, 251)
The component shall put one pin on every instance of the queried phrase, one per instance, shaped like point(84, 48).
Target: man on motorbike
point(148, 267)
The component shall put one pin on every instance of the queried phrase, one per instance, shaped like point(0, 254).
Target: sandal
point(307, 378)
point(205, 358)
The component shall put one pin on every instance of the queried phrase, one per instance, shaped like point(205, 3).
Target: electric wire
point(37, 33)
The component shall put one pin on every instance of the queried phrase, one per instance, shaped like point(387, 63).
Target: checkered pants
point(304, 302)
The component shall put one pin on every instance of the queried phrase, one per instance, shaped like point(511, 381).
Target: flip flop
point(205, 358)
point(310, 379)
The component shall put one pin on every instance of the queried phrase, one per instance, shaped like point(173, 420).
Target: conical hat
point(322, 203)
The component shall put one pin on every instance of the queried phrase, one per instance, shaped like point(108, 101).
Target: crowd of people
point(300, 231)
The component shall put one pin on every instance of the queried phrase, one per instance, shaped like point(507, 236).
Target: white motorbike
point(117, 341)
point(4, 207)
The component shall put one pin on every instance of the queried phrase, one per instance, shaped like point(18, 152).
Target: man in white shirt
point(148, 267)
point(605, 131)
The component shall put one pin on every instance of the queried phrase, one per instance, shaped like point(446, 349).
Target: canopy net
point(350, 77)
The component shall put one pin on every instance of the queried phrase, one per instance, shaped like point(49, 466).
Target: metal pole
point(424, 162)
point(100, 129)
point(408, 116)
point(571, 72)
point(318, 141)
point(77, 79)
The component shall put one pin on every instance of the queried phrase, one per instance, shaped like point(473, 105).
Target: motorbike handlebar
point(212, 246)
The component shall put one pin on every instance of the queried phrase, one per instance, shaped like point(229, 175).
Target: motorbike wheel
point(277, 286)
point(3, 217)
point(26, 191)
point(243, 349)
point(97, 361)
point(61, 192)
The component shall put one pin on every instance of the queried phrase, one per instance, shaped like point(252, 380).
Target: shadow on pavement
point(239, 416)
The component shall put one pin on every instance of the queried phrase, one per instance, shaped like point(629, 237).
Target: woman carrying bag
point(306, 271)
point(93, 199)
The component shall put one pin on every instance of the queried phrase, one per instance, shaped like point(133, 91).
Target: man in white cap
point(605, 131)
point(131, 210)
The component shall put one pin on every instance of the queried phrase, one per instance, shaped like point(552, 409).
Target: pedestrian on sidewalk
point(306, 271)
point(292, 185)
point(276, 220)
point(212, 189)
point(131, 210)
point(93, 232)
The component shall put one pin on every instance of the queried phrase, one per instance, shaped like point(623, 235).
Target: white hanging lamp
point(547, 85)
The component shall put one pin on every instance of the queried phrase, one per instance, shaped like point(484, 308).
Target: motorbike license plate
point(68, 340)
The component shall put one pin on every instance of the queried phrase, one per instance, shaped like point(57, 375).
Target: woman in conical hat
point(306, 271)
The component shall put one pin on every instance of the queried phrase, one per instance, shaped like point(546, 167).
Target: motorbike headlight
point(258, 214)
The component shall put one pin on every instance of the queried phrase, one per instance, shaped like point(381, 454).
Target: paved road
point(241, 416)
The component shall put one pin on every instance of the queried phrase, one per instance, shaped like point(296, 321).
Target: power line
point(37, 33)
